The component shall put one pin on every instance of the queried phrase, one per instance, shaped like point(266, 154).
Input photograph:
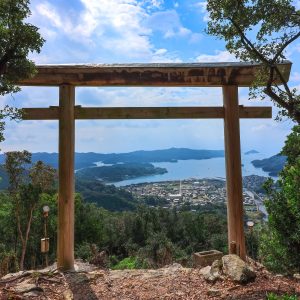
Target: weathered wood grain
point(183, 74)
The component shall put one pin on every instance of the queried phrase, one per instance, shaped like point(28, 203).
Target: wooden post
point(233, 172)
point(65, 240)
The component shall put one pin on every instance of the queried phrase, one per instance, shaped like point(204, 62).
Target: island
point(251, 152)
point(272, 165)
point(119, 172)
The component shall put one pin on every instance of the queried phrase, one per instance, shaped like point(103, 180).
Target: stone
point(68, 295)
point(32, 294)
point(237, 269)
point(24, 287)
point(214, 293)
point(212, 273)
point(206, 258)
point(205, 270)
point(100, 259)
point(297, 276)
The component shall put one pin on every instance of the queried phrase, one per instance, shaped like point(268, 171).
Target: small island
point(251, 152)
point(119, 172)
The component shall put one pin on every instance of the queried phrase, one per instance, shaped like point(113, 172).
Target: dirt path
point(173, 282)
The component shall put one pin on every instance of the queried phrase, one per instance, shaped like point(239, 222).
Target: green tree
point(17, 39)
point(26, 187)
point(260, 31)
point(280, 244)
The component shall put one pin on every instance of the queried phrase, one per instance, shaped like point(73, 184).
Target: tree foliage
point(260, 31)
point(17, 39)
point(280, 245)
point(26, 186)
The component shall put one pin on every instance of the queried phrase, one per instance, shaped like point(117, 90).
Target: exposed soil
point(172, 282)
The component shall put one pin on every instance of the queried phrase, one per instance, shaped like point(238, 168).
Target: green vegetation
point(120, 172)
point(17, 40)
point(106, 196)
point(147, 237)
point(25, 189)
point(280, 240)
point(273, 165)
point(260, 31)
point(272, 296)
point(127, 263)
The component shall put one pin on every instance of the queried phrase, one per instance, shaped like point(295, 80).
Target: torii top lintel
point(158, 74)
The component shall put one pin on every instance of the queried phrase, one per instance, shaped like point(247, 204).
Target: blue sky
point(120, 31)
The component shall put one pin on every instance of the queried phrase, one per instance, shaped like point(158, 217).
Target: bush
point(280, 243)
point(127, 263)
point(83, 251)
point(284, 297)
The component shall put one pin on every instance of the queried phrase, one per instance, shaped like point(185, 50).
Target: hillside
point(106, 196)
point(273, 165)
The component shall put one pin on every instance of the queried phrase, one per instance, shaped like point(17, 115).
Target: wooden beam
point(47, 113)
point(65, 240)
point(168, 74)
point(233, 171)
point(149, 113)
point(52, 113)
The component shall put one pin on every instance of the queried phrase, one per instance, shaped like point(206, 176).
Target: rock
point(68, 295)
point(237, 269)
point(205, 270)
point(24, 287)
point(216, 267)
point(100, 259)
point(214, 293)
point(213, 273)
point(297, 276)
point(94, 275)
point(33, 294)
point(174, 266)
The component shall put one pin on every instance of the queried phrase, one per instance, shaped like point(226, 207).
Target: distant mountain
point(251, 152)
point(84, 160)
point(273, 165)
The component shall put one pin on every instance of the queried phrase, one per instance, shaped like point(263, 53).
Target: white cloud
point(113, 25)
point(219, 56)
point(203, 9)
point(169, 24)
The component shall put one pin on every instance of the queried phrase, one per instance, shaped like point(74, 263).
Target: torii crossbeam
point(229, 76)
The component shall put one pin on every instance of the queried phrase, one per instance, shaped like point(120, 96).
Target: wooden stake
point(65, 241)
point(233, 171)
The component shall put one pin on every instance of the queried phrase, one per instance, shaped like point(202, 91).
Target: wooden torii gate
point(229, 76)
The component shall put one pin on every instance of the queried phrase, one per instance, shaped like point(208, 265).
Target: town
point(195, 193)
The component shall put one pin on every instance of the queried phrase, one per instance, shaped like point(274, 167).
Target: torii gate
point(229, 76)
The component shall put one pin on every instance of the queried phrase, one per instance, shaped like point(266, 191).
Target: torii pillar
point(235, 213)
point(66, 190)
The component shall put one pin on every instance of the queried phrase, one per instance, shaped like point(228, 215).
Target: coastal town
point(198, 192)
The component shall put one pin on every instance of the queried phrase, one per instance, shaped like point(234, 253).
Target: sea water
point(205, 168)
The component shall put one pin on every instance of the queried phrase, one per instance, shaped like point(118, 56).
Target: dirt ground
point(172, 282)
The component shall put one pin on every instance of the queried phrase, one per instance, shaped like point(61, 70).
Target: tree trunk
point(24, 241)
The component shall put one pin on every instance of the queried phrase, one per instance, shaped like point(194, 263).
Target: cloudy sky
point(121, 31)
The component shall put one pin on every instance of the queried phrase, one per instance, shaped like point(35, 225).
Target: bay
point(206, 168)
